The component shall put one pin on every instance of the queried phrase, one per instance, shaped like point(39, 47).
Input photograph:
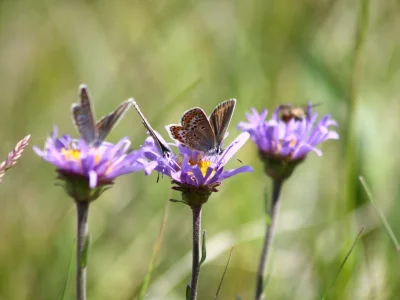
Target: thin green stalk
point(156, 249)
point(223, 275)
point(196, 210)
point(81, 248)
point(63, 292)
point(381, 215)
point(269, 232)
point(346, 258)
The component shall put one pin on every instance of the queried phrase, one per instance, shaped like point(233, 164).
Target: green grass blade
point(69, 272)
point(349, 252)
point(223, 275)
point(187, 292)
point(346, 258)
point(380, 214)
point(156, 250)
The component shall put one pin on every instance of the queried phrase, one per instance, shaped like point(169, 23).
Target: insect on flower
point(83, 116)
point(197, 132)
point(190, 170)
point(86, 169)
point(289, 112)
point(283, 145)
point(160, 143)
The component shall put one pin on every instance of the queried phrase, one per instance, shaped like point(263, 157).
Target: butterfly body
point(83, 115)
point(198, 132)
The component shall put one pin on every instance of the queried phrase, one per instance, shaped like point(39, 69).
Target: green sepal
point(195, 196)
point(77, 186)
point(178, 201)
point(277, 167)
point(188, 292)
point(85, 253)
point(203, 248)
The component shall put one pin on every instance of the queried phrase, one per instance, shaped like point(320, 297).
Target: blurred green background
point(171, 56)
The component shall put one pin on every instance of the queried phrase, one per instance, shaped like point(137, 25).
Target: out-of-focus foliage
point(171, 56)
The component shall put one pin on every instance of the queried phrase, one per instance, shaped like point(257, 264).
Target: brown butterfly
point(198, 132)
point(83, 115)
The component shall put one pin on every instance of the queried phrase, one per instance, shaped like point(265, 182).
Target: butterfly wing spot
point(185, 136)
point(193, 116)
point(188, 116)
point(177, 132)
point(195, 131)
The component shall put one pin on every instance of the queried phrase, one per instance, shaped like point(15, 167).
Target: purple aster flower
point(88, 166)
point(196, 176)
point(87, 169)
point(283, 142)
point(193, 173)
point(286, 139)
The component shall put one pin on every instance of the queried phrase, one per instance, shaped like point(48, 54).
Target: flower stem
point(196, 210)
point(82, 208)
point(270, 227)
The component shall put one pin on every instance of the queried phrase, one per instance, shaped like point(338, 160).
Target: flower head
point(194, 174)
point(88, 170)
point(284, 142)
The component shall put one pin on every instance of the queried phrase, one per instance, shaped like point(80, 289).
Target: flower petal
point(233, 148)
point(92, 179)
point(231, 173)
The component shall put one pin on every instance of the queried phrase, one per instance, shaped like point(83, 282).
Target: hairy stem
point(196, 210)
point(81, 236)
point(270, 227)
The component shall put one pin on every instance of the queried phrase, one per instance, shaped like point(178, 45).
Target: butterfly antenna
point(317, 104)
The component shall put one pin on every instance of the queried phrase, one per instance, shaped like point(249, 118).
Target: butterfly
point(83, 115)
point(289, 112)
point(198, 132)
point(161, 144)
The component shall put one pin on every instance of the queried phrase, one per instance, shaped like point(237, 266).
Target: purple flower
point(284, 141)
point(194, 174)
point(85, 168)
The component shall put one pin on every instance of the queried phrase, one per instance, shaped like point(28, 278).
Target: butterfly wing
point(83, 116)
point(220, 119)
point(108, 122)
point(195, 131)
point(160, 142)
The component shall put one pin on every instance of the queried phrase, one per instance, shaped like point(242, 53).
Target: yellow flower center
point(203, 165)
point(71, 154)
point(200, 162)
point(75, 155)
